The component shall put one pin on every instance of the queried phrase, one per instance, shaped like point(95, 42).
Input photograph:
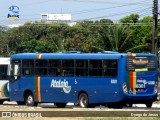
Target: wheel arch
point(82, 91)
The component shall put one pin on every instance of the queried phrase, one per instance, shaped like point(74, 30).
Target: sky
point(30, 10)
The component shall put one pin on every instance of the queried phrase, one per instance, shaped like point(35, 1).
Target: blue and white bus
point(4, 78)
point(86, 79)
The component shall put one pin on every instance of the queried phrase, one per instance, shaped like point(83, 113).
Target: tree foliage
point(130, 34)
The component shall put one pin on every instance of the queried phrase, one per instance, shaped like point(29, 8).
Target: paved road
point(155, 106)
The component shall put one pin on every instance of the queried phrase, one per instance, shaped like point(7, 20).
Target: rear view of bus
point(142, 78)
point(4, 79)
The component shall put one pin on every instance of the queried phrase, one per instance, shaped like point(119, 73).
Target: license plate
point(140, 89)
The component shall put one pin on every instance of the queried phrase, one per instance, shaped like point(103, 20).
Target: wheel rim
point(83, 101)
point(30, 99)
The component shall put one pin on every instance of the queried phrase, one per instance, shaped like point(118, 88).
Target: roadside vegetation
point(129, 34)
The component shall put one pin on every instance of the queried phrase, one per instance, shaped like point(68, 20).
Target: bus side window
point(95, 68)
point(67, 67)
point(27, 67)
point(110, 68)
point(81, 67)
point(54, 67)
point(27, 72)
point(3, 72)
point(41, 67)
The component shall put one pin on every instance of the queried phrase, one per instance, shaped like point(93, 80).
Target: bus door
point(14, 78)
point(142, 76)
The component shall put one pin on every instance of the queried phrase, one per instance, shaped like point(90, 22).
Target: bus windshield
point(141, 64)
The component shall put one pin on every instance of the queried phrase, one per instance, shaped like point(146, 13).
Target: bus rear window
point(141, 64)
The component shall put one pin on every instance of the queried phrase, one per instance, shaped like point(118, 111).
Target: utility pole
point(155, 28)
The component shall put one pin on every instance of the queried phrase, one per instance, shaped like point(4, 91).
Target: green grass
point(126, 118)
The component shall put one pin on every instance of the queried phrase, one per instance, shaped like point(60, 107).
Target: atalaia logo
point(13, 13)
point(61, 84)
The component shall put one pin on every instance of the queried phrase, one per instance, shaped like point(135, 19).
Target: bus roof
point(76, 55)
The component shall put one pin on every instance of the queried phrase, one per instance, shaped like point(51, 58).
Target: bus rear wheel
point(128, 105)
point(83, 100)
point(20, 103)
point(60, 105)
point(30, 100)
point(118, 105)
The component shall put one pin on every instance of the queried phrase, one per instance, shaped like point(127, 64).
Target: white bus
point(4, 79)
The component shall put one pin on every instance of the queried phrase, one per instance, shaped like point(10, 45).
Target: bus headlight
point(156, 88)
point(125, 88)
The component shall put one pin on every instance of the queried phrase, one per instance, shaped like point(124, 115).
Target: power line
point(83, 11)
point(93, 10)
point(142, 12)
point(106, 2)
point(87, 11)
point(116, 14)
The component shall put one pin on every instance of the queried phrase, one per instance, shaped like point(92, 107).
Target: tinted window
point(110, 68)
point(54, 67)
point(27, 67)
point(15, 70)
point(67, 68)
point(81, 67)
point(41, 67)
point(3, 72)
point(95, 68)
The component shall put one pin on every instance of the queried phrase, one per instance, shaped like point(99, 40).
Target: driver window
point(15, 71)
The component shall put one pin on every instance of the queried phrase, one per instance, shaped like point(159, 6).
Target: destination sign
point(140, 64)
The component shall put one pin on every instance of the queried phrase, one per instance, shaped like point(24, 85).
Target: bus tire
point(76, 104)
point(60, 105)
point(30, 100)
point(149, 104)
point(118, 105)
point(1, 102)
point(83, 100)
point(20, 103)
point(128, 105)
point(91, 105)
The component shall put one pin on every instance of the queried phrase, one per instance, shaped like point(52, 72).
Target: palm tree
point(121, 38)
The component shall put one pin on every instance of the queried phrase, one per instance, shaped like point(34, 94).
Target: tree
point(143, 34)
point(133, 18)
point(87, 36)
point(4, 48)
point(120, 38)
point(35, 46)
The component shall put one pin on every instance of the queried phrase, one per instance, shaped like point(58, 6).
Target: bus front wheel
point(30, 100)
point(128, 105)
point(83, 100)
point(149, 104)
